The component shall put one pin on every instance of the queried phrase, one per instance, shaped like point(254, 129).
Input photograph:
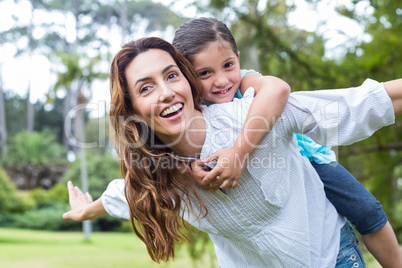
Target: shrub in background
point(11, 200)
point(101, 170)
point(35, 160)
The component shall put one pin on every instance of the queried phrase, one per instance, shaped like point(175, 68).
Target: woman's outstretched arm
point(82, 205)
point(394, 90)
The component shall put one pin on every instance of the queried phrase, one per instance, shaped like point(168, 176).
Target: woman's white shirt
point(278, 215)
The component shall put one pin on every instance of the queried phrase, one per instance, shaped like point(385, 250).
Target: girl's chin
point(222, 99)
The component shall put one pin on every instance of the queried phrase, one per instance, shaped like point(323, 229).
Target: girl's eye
point(203, 74)
point(228, 64)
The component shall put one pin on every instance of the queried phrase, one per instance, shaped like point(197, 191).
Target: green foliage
point(198, 243)
point(46, 213)
point(97, 131)
point(36, 148)
point(35, 159)
point(101, 170)
point(58, 193)
point(15, 107)
point(7, 192)
point(10, 199)
point(49, 117)
point(47, 218)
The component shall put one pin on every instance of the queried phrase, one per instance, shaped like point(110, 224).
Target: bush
point(50, 217)
point(35, 160)
point(47, 218)
point(7, 192)
point(42, 197)
point(101, 170)
point(10, 199)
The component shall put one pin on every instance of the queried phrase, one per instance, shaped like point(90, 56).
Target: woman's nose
point(166, 94)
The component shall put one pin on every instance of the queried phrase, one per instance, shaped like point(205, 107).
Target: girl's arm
point(82, 206)
point(271, 96)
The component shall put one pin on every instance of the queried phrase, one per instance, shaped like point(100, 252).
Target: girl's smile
point(218, 68)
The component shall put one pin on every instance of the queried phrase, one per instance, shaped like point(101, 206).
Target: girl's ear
point(238, 54)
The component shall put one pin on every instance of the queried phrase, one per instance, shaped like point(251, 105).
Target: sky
point(16, 71)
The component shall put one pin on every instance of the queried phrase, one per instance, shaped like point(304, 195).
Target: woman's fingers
point(80, 194)
point(89, 197)
point(71, 191)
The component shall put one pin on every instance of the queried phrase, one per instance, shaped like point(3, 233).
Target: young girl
point(209, 45)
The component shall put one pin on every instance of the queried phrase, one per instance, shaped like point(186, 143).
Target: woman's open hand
point(78, 203)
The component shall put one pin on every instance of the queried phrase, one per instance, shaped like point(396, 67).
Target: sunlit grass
point(21, 248)
point(43, 249)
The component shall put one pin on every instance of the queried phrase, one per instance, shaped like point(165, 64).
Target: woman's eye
point(172, 75)
point(144, 89)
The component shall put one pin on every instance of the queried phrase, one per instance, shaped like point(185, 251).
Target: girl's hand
point(198, 172)
point(228, 170)
point(78, 203)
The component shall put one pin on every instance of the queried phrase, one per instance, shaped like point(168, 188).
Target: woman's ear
point(238, 54)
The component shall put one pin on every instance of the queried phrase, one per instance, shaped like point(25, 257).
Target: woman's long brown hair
point(156, 184)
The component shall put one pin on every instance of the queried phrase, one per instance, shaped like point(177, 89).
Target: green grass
point(43, 249)
point(20, 248)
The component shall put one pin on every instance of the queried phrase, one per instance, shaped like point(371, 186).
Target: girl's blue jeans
point(350, 198)
point(349, 255)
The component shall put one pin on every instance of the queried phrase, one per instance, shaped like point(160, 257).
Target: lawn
point(44, 249)
point(21, 248)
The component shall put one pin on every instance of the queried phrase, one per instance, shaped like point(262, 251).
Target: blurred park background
point(54, 101)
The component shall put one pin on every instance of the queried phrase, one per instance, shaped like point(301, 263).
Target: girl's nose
point(221, 80)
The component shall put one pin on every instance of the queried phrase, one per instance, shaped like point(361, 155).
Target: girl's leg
point(361, 208)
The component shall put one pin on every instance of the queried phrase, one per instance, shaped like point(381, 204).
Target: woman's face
point(160, 93)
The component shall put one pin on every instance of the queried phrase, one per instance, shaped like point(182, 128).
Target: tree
point(380, 57)
point(3, 125)
point(33, 45)
point(270, 45)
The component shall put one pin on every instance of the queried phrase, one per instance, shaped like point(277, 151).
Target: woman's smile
point(160, 93)
point(173, 112)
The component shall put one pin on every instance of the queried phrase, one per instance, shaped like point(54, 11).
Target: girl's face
point(218, 68)
point(160, 93)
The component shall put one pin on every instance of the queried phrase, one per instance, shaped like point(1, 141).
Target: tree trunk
point(31, 45)
point(66, 109)
point(123, 21)
point(30, 110)
point(3, 122)
point(80, 136)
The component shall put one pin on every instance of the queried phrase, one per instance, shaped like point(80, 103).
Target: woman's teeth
point(172, 109)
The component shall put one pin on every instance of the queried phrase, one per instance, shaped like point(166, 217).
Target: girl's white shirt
point(278, 215)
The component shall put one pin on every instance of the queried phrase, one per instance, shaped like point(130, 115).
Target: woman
point(278, 215)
